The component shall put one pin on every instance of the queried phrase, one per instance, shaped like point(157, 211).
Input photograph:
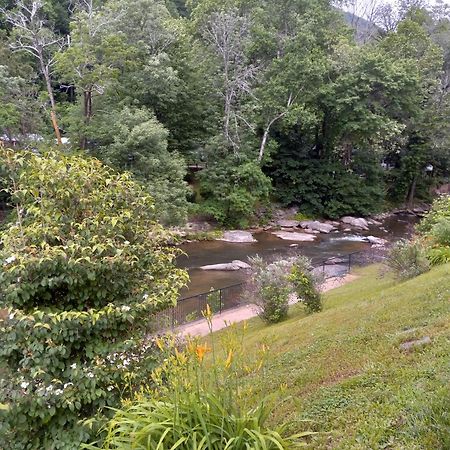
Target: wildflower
point(145, 296)
point(11, 316)
point(59, 392)
point(67, 385)
point(110, 388)
point(201, 350)
point(24, 384)
point(73, 366)
point(127, 242)
point(125, 308)
point(90, 375)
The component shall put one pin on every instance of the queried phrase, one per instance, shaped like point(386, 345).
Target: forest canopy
point(294, 101)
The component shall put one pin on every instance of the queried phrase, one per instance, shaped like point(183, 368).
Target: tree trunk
point(53, 117)
point(411, 193)
point(87, 115)
point(263, 144)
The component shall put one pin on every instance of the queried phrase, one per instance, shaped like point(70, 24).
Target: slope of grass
point(344, 369)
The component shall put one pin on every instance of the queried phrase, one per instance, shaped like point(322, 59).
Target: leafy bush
point(84, 267)
point(306, 285)
point(435, 227)
point(407, 259)
point(231, 192)
point(441, 232)
point(197, 404)
point(270, 288)
point(439, 255)
point(439, 211)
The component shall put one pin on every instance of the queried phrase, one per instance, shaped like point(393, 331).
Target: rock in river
point(294, 236)
point(284, 223)
point(356, 222)
point(238, 236)
point(315, 225)
point(234, 265)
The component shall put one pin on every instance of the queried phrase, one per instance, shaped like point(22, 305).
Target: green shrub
point(439, 211)
point(439, 255)
point(232, 190)
point(407, 259)
point(269, 288)
point(440, 233)
point(84, 267)
point(306, 285)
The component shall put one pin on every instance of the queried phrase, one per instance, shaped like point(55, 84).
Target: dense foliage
point(282, 99)
point(84, 266)
point(435, 227)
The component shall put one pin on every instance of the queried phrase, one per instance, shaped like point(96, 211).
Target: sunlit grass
point(344, 369)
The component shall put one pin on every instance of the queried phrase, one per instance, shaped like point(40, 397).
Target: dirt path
point(245, 312)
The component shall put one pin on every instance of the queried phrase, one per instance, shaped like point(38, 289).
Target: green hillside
point(344, 368)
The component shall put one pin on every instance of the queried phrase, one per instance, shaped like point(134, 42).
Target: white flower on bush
point(73, 366)
point(110, 388)
point(9, 260)
point(49, 388)
point(125, 308)
point(67, 385)
point(24, 384)
point(11, 317)
point(145, 296)
point(90, 375)
point(59, 392)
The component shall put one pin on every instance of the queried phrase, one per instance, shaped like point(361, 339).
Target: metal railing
point(189, 309)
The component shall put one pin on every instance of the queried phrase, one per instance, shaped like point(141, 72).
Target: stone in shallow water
point(293, 236)
point(284, 223)
point(234, 265)
point(317, 226)
point(238, 236)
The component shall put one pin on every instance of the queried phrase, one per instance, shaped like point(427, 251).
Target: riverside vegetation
point(292, 101)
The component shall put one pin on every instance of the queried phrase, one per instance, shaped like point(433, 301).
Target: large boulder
point(295, 236)
point(376, 241)
point(238, 236)
point(234, 265)
point(356, 222)
point(315, 225)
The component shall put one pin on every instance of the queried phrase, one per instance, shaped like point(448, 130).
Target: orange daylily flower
point(201, 350)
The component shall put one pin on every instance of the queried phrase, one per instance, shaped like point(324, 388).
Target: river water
point(268, 246)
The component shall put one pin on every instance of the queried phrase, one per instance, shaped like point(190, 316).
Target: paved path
point(245, 312)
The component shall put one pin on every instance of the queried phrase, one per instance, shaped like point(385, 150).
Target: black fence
point(189, 309)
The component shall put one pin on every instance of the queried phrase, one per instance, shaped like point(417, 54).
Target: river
point(268, 246)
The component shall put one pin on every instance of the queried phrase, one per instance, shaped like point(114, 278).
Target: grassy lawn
point(343, 368)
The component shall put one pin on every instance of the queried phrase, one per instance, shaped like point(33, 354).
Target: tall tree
point(32, 33)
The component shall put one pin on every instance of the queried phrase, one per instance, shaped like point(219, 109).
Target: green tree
point(134, 140)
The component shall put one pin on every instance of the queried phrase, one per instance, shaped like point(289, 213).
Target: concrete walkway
point(245, 312)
